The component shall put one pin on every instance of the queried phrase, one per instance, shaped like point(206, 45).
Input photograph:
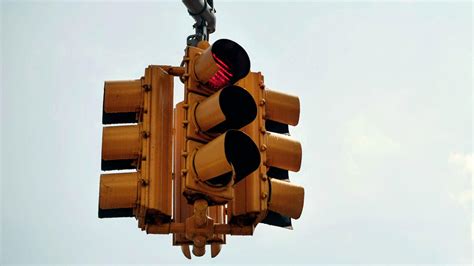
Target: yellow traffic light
point(267, 195)
point(231, 150)
point(182, 209)
point(218, 155)
point(144, 148)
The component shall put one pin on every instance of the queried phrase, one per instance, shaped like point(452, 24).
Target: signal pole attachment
point(203, 13)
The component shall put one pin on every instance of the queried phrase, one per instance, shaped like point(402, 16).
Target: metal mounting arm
point(203, 13)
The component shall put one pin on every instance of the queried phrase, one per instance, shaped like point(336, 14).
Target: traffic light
point(217, 154)
point(142, 146)
point(266, 195)
point(216, 164)
point(182, 210)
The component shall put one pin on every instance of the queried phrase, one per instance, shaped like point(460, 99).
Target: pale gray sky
point(386, 127)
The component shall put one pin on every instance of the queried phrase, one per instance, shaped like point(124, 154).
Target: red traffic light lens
point(232, 61)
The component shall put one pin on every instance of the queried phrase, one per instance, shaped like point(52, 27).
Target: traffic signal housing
point(142, 147)
point(231, 150)
point(266, 195)
point(218, 155)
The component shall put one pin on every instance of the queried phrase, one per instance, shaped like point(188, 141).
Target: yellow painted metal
point(286, 198)
point(199, 227)
point(192, 82)
point(176, 71)
point(186, 251)
point(156, 166)
point(217, 214)
point(248, 201)
point(209, 113)
point(283, 152)
point(182, 210)
point(123, 96)
point(251, 197)
point(282, 107)
point(194, 187)
point(210, 160)
point(176, 228)
point(234, 230)
point(203, 45)
point(215, 249)
point(193, 132)
point(118, 191)
point(205, 66)
point(217, 229)
point(149, 142)
point(121, 142)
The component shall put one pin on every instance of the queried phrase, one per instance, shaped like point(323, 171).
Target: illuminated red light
point(222, 77)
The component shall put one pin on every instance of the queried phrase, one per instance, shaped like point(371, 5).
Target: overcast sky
point(386, 127)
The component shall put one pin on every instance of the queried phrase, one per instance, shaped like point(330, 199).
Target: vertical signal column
point(121, 148)
point(215, 154)
point(267, 195)
point(142, 147)
point(218, 155)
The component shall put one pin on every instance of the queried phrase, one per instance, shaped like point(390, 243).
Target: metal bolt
point(147, 87)
point(264, 195)
point(264, 177)
point(263, 147)
point(262, 102)
point(145, 134)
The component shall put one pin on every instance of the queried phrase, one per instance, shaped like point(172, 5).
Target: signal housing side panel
point(181, 209)
point(161, 134)
point(250, 196)
point(156, 162)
